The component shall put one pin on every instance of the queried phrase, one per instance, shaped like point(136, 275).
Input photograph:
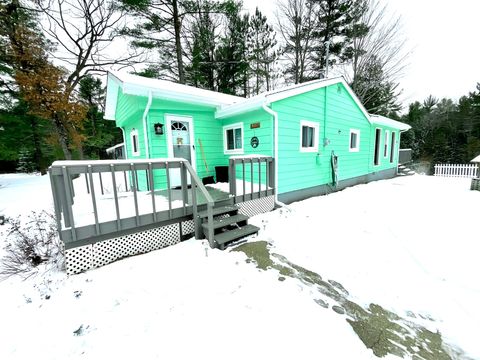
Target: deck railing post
point(232, 177)
point(56, 200)
point(68, 215)
point(183, 177)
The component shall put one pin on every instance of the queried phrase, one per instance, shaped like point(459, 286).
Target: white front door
point(181, 143)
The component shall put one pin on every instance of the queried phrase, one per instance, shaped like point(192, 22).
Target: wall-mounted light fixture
point(158, 129)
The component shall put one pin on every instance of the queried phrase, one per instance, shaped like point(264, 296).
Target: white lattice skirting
point(257, 206)
point(105, 252)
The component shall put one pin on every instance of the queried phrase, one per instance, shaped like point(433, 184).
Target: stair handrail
point(210, 203)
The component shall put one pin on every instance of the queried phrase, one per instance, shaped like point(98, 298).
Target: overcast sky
point(444, 37)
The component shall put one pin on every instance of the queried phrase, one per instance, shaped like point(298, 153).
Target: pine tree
point(159, 27)
point(262, 55)
point(334, 18)
point(231, 54)
point(26, 163)
point(201, 44)
point(98, 133)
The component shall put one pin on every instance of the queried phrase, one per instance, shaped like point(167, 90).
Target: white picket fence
point(456, 170)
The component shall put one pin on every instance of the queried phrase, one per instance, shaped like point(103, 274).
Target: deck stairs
point(228, 224)
point(404, 171)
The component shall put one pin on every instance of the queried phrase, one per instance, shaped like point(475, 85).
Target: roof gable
point(166, 90)
point(293, 90)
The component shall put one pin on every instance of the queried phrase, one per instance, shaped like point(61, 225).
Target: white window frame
point(316, 135)
point(357, 147)
point(133, 134)
point(227, 151)
point(385, 144)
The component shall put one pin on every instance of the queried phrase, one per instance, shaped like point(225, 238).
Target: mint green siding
point(332, 109)
point(336, 113)
point(264, 134)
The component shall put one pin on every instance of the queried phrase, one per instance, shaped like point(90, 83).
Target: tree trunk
point(178, 43)
point(62, 137)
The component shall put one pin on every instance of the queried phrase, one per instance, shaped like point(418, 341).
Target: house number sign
point(254, 142)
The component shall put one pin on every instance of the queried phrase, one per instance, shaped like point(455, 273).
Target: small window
point(134, 141)
point(385, 145)
point(354, 140)
point(233, 139)
point(309, 136)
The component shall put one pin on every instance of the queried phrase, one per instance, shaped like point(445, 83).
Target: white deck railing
point(456, 170)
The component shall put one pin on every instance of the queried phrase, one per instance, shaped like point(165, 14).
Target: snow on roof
point(268, 97)
point(476, 159)
point(382, 120)
point(167, 90)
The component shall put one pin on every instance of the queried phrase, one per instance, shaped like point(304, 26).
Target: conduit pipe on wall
point(145, 125)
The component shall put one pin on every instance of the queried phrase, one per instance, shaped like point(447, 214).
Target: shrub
point(30, 244)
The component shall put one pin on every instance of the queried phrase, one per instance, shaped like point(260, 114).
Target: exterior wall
point(264, 133)
point(384, 161)
point(302, 194)
point(335, 112)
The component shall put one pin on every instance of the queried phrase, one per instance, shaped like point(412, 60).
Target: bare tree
point(84, 31)
point(378, 58)
point(296, 25)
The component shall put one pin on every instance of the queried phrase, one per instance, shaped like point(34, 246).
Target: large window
point(354, 140)
point(392, 147)
point(309, 136)
point(134, 142)
point(233, 139)
point(376, 154)
point(385, 144)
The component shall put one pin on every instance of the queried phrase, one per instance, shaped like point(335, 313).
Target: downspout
point(125, 152)
point(275, 148)
point(145, 132)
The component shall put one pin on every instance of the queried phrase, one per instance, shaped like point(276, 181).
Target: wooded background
point(53, 54)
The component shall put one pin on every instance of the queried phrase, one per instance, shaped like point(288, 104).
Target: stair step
point(219, 223)
point(235, 234)
point(218, 211)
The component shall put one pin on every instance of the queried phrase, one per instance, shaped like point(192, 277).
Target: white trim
point(167, 90)
point(386, 140)
point(238, 151)
point(382, 120)
point(133, 134)
point(357, 147)
point(169, 118)
point(316, 135)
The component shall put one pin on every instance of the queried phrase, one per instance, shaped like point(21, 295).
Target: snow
point(405, 244)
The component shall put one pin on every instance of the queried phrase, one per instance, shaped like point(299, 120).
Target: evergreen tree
point(262, 55)
point(334, 19)
point(98, 133)
point(159, 27)
point(201, 44)
point(25, 161)
point(231, 54)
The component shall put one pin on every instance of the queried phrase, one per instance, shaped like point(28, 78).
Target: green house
point(319, 134)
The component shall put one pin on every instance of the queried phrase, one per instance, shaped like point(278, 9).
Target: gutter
point(275, 148)
point(144, 118)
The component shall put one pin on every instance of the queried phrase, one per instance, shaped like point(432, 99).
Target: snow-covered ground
point(408, 244)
